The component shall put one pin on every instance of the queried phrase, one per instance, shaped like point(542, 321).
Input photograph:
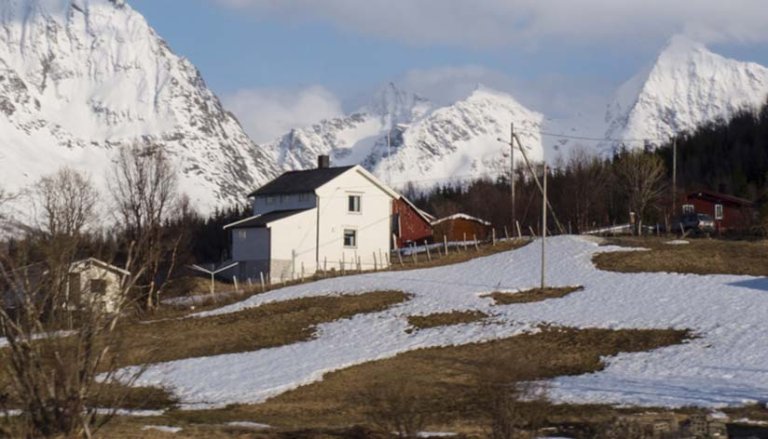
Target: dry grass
point(445, 319)
point(533, 295)
point(269, 325)
point(455, 255)
point(445, 378)
point(700, 256)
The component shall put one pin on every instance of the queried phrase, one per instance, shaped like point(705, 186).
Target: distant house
point(410, 224)
point(461, 226)
point(89, 281)
point(729, 212)
point(95, 280)
point(319, 219)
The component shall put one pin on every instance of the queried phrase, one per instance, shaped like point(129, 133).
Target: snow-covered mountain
point(403, 138)
point(687, 86)
point(79, 78)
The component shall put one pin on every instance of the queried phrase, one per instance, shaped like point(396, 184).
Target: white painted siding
point(266, 204)
point(372, 223)
point(293, 244)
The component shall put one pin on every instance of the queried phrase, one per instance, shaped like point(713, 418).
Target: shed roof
point(264, 219)
point(463, 216)
point(295, 182)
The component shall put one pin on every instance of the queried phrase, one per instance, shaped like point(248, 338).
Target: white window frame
point(242, 234)
point(359, 203)
point(719, 212)
point(354, 238)
point(688, 208)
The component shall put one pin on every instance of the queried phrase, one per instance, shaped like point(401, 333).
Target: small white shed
point(94, 280)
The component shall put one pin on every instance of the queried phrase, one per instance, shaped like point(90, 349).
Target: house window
point(350, 238)
point(303, 197)
point(353, 204)
point(718, 211)
point(270, 199)
point(688, 208)
point(98, 286)
point(242, 234)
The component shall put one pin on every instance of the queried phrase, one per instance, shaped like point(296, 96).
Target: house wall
point(735, 217)
point(457, 229)
point(266, 204)
point(413, 228)
point(90, 272)
point(373, 223)
point(293, 244)
point(250, 244)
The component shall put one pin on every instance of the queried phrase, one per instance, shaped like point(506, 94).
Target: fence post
point(445, 243)
point(533, 234)
point(342, 263)
point(464, 241)
point(429, 256)
point(302, 271)
point(234, 279)
point(506, 233)
point(263, 286)
point(384, 264)
point(400, 257)
point(519, 232)
point(293, 264)
point(493, 236)
point(375, 265)
point(415, 257)
point(474, 237)
point(359, 265)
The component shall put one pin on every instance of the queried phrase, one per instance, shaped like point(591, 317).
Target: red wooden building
point(461, 226)
point(729, 212)
point(410, 224)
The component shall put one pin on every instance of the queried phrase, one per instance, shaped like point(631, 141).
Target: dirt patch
point(445, 380)
point(700, 256)
point(530, 296)
point(269, 325)
point(445, 319)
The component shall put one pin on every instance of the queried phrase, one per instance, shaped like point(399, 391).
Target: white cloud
point(269, 113)
point(527, 23)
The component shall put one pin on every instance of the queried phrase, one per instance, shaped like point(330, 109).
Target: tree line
point(588, 191)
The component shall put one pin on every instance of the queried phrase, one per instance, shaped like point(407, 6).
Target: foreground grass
point(269, 325)
point(700, 256)
point(533, 295)
point(444, 380)
point(445, 319)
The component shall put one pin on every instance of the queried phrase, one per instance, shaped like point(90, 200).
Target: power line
point(597, 139)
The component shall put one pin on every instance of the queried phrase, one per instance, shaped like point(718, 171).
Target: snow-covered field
point(726, 365)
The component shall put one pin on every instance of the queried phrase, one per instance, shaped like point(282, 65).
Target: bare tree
point(144, 186)
point(59, 346)
point(68, 203)
point(641, 175)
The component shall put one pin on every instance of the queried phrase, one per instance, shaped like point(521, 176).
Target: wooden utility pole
point(512, 170)
point(543, 228)
point(674, 177)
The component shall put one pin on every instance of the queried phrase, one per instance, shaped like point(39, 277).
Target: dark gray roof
point(264, 219)
point(295, 182)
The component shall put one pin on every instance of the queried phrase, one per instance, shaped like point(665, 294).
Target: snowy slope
point(686, 87)
point(428, 145)
point(724, 365)
point(78, 78)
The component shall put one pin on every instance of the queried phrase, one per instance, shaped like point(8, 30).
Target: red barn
point(461, 226)
point(729, 212)
point(409, 223)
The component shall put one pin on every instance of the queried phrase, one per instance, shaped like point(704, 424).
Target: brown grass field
point(700, 256)
point(533, 295)
point(443, 380)
point(445, 319)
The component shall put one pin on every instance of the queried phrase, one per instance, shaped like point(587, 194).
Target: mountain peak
point(395, 105)
point(681, 44)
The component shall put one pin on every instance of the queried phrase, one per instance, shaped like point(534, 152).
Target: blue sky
point(311, 59)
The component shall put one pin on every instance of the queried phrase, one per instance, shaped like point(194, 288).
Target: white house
point(319, 219)
point(95, 281)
